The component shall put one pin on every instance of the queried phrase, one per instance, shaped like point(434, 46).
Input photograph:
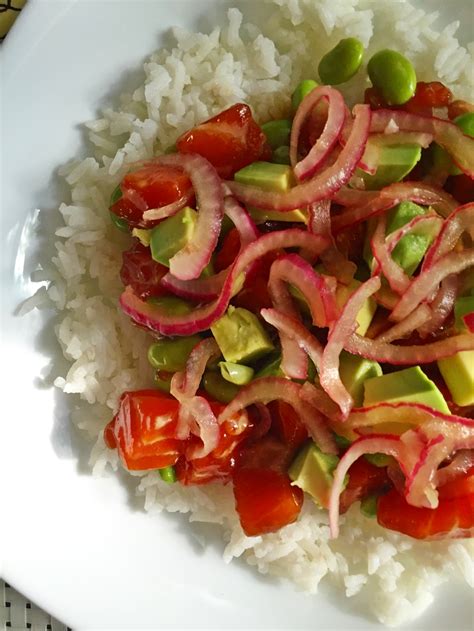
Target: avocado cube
point(354, 371)
point(458, 373)
point(240, 336)
point(367, 311)
point(395, 162)
point(408, 385)
point(267, 175)
point(142, 235)
point(259, 215)
point(172, 234)
point(462, 307)
point(411, 249)
point(312, 471)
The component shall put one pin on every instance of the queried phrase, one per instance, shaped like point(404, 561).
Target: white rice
point(200, 76)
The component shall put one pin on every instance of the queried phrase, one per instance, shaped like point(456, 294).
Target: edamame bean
point(171, 355)
point(218, 388)
point(281, 155)
point(302, 90)
point(236, 373)
point(277, 132)
point(119, 223)
point(465, 122)
point(168, 474)
point(171, 304)
point(342, 62)
point(393, 75)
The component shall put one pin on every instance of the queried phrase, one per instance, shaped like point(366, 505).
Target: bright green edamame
point(168, 474)
point(218, 388)
point(236, 373)
point(171, 355)
point(277, 132)
point(342, 62)
point(393, 75)
point(119, 223)
point(271, 368)
point(281, 155)
point(368, 506)
point(171, 304)
point(302, 89)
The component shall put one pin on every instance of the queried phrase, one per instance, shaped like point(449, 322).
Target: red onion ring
point(320, 187)
point(134, 197)
point(296, 331)
point(405, 355)
point(422, 286)
point(462, 462)
point(413, 321)
point(269, 389)
point(153, 214)
point(204, 289)
point(389, 197)
point(444, 132)
point(441, 307)
point(460, 220)
point(320, 150)
point(190, 261)
point(201, 318)
point(385, 444)
point(339, 334)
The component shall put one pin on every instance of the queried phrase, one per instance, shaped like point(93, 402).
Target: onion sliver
point(339, 334)
point(389, 197)
point(269, 389)
point(201, 318)
point(296, 331)
point(204, 289)
point(406, 355)
point(336, 116)
point(190, 261)
point(319, 187)
point(389, 445)
point(422, 286)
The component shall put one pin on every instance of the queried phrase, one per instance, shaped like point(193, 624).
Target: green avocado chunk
point(458, 370)
point(408, 385)
point(411, 249)
point(312, 471)
point(172, 234)
point(354, 371)
point(395, 162)
point(240, 336)
point(266, 175)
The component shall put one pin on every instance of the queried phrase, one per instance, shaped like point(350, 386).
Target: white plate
point(78, 546)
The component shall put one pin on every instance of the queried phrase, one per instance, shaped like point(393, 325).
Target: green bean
point(119, 223)
point(171, 304)
point(302, 89)
point(342, 62)
point(393, 75)
point(218, 388)
point(277, 132)
point(168, 474)
point(281, 155)
point(368, 506)
point(236, 373)
point(171, 355)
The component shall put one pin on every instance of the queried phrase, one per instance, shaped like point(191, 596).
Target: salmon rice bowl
point(266, 297)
